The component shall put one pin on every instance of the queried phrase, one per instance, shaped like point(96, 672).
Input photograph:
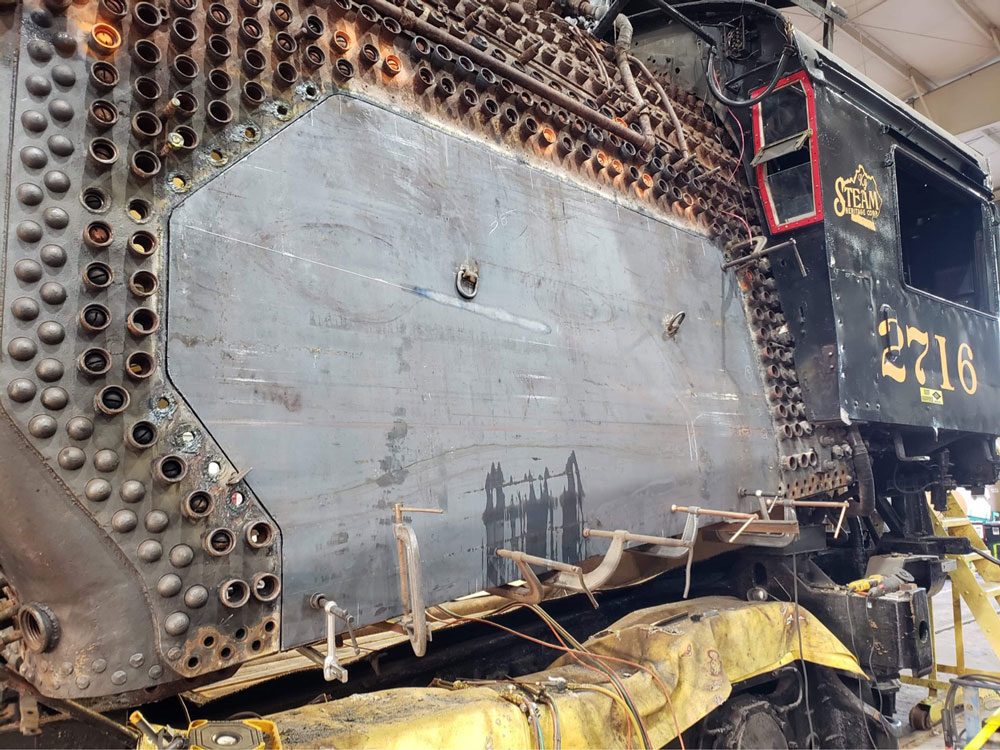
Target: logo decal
point(859, 198)
point(931, 396)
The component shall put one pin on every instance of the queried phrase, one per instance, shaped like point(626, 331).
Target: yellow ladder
point(979, 593)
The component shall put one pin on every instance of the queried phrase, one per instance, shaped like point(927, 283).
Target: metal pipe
point(623, 44)
point(666, 104)
point(409, 21)
point(709, 512)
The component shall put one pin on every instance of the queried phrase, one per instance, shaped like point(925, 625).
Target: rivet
point(34, 121)
point(71, 458)
point(124, 521)
point(119, 677)
point(42, 426)
point(55, 217)
point(29, 194)
point(53, 255)
point(38, 85)
point(51, 332)
point(181, 556)
point(80, 428)
point(155, 672)
point(39, 50)
point(22, 349)
point(98, 490)
point(63, 75)
point(169, 585)
point(106, 460)
point(21, 390)
point(136, 660)
point(52, 292)
point(54, 398)
point(156, 521)
point(132, 491)
point(60, 145)
point(65, 43)
point(49, 370)
point(99, 665)
point(57, 181)
point(24, 308)
point(28, 270)
point(61, 110)
point(150, 551)
point(82, 682)
point(29, 231)
point(196, 596)
point(174, 654)
point(176, 623)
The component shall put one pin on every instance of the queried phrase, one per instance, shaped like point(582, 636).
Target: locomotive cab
point(884, 245)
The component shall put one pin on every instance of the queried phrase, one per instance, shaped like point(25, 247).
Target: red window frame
point(758, 136)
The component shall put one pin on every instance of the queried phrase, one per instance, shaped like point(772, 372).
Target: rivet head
point(22, 349)
point(71, 458)
point(156, 521)
point(29, 194)
point(119, 677)
point(57, 181)
point(66, 668)
point(82, 682)
point(132, 490)
point(136, 660)
point(65, 43)
point(63, 75)
point(124, 521)
point(51, 332)
point(79, 428)
point(39, 50)
point(27, 270)
point(174, 654)
point(53, 255)
point(106, 460)
point(60, 145)
point(56, 217)
point(54, 398)
point(49, 370)
point(99, 665)
point(98, 490)
point(169, 585)
point(196, 596)
point(155, 672)
point(61, 110)
point(181, 556)
point(150, 551)
point(52, 293)
point(21, 390)
point(38, 85)
point(33, 157)
point(29, 231)
point(34, 121)
point(42, 426)
point(176, 623)
point(24, 308)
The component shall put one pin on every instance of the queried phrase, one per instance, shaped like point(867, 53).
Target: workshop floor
point(977, 652)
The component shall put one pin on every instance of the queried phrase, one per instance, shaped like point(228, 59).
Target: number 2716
point(897, 338)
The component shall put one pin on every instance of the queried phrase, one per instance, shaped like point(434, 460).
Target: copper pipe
point(622, 46)
point(710, 512)
point(441, 36)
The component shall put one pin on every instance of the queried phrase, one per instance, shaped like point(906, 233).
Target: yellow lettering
point(943, 349)
point(915, 335)
point(890, 369)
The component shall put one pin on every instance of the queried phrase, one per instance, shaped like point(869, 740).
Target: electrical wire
point(630, 715)
point(716, 88)
point(742, 145)
point(568, 650)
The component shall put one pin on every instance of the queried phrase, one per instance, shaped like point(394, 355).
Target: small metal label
point(931, 396)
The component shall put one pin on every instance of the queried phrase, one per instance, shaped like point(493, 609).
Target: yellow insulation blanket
point(697, 657)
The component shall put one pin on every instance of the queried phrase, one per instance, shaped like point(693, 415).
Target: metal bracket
point(572, 577)
point(761, 250)
point(332, 668)
point(28, 709)
point(411, 587)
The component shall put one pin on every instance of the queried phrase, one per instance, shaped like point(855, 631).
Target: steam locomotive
point(319, 313)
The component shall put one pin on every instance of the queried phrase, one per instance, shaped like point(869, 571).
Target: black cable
point(713, 83)
point(987, 555)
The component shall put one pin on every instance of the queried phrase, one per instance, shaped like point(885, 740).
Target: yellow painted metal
point(269, 732)
point(697, 649)
point(975, 580)
point(989, 729)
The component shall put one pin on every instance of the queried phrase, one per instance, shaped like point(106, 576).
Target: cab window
point(786, 154)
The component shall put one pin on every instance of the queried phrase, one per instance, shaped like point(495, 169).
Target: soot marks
point(393, 470)
point(539, 514)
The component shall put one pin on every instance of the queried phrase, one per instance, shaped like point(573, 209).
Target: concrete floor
point(978, 654)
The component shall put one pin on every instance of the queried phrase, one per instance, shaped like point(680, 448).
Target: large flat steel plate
point(315, 328)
